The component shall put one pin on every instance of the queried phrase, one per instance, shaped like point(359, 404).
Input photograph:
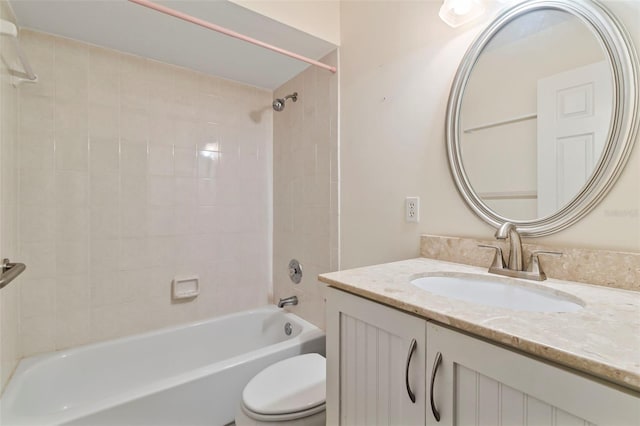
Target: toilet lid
point(291, 385)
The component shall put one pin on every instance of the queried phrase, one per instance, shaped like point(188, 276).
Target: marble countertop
point(602, 339)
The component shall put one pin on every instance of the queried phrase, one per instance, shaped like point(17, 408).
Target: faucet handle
point(498, 259)
point(534, 262)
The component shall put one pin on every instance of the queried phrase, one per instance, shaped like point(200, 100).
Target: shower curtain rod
point(230, 33)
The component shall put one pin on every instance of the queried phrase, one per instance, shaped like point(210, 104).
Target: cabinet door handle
point(436, 364)
point(412, 349)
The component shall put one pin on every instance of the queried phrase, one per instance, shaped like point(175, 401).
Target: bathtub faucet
point(293, 300)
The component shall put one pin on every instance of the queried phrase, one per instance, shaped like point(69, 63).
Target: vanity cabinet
point(480, 383)
point(375, 358)
point(474, 383)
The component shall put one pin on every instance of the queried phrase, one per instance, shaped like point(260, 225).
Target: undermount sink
point(510, 294)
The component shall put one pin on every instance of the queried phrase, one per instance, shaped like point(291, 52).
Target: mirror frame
point(623, 60)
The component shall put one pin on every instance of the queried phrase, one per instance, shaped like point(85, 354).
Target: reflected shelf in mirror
point(517, 119)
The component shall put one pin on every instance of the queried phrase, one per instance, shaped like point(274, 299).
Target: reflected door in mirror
point(574, 112)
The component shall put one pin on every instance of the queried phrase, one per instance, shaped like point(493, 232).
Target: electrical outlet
point(412, 209)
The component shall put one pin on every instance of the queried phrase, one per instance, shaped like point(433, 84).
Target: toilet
point(290, 392)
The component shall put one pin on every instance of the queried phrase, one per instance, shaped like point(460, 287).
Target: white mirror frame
point(617, 45)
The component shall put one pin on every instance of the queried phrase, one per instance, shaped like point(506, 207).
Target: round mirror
point(543, 114)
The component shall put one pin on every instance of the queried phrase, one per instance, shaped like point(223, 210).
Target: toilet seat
point(289, 389)
point(283, 417)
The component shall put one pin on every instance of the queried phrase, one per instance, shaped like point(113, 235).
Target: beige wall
point(394, 86)
point(133, 172)
point(320, 18)
point(305, 197)
point(10, 295)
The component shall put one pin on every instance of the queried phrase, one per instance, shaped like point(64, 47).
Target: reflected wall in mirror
point(543, 114)
point(536, 114)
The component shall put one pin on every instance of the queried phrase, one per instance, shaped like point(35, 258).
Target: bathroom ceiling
point(128, 27)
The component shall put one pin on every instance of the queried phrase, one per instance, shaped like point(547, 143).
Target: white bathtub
point(188, 375)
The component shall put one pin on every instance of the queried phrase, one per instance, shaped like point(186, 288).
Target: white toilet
point(290, 392)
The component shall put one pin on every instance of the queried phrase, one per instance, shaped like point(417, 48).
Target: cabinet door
point(478, 383)
point(369, 363)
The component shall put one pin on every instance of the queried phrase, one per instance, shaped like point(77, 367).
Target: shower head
point(278, 104)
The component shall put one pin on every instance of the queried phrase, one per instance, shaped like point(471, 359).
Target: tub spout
point(293, 300)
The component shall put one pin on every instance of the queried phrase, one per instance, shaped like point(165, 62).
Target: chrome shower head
point(278, 104)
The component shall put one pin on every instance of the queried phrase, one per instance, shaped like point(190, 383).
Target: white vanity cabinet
point(480, 383)
point(371, 358)
point(476, 382)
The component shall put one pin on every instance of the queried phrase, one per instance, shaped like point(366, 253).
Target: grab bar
point(9, 271)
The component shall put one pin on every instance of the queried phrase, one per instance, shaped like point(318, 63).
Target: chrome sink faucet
point(515, 265)
point(508, 230)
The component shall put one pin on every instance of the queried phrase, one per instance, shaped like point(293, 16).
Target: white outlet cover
point(412, 209)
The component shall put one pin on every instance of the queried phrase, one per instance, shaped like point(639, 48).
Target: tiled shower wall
point(132, 172)
point(305, 194)
point(10, 295)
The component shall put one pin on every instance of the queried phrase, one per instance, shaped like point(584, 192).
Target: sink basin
point(509, 294)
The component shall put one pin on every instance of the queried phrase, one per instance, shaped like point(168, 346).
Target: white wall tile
point(37, 334)
point(105, 190)
point(106, 322)
point(161, 191)
point(41, 258)
point(134, 124)
point(104, 155)
point(105, 255)
point(37, 150)
point(37, 224)
point(72, 328)
point(133, 219)
point(207, 190)
point(133, 254)
point(133, 158)
point(72, 224)
point(185, 192)
point(185, 161)
point(184, 220)
point(208, 163)
point(160, 221)
point(38, 297)
point(305, 225)
point(72, 293)
point(106, 288)
point(161, 160)
point(72, 151)
point(120, 191)
point(72, 189)
point(72, 258)
point(104, 120)
point(36, 187)
point(104, 222)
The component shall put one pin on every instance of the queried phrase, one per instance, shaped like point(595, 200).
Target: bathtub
point(187, 375)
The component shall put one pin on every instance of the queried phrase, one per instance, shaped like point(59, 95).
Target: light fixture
point(458, 12)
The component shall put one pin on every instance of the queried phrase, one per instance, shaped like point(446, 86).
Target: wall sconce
point(458, 12)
